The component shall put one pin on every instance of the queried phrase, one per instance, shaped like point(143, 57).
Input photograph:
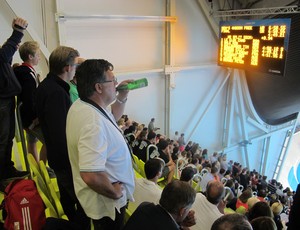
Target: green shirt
point(73, 92)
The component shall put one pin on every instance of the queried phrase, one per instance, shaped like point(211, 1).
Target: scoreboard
point(259, 45)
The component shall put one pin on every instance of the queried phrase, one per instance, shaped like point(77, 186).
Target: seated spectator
point(194, 164)
point(130, 134)
point(213, 158)
point(205, 154)
point(215, 172)
point(121, 123)
point(262, 184)
point(144, 146)
point(223, 162)
point(272, 186)
point(263, 223)
point(261, 194)
point(244, 178)
point(147, 189)
point(206, 179)
point(209, 208)
point(172, 213)
point(188, 146)
point(252, 201)
point(195, 149)
point(187, 175)
point(241, 202)
point(260, 209)
point(221, 173)
point(175, 153)
point(231, 222)
point(164, 153)
point(277, 209)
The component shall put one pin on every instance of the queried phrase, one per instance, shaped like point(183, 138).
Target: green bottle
point(140, 83)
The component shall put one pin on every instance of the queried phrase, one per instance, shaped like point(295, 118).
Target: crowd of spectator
point(252, 195)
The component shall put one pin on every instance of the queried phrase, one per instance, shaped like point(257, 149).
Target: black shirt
point(53, 103)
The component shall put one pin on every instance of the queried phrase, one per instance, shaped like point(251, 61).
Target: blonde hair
point(276, 208)
point(28, 48)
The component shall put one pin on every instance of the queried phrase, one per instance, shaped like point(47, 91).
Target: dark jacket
point(294, 220)
point(52, 104)
point(9, 85)
point(27, 78)
point(149, 216)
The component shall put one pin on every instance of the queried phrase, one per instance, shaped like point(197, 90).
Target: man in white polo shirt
point(100, 159)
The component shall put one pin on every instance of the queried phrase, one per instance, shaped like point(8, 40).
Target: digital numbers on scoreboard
point(259, 45)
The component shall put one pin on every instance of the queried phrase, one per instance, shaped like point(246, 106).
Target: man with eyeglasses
point(52, 103)
point(99, 155)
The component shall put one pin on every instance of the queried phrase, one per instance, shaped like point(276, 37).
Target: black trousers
point(7, 133)
point(69, 201)
point(106, 223)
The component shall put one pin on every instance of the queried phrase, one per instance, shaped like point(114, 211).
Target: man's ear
point(67, 68)
point(98, 88)
point(181, 212)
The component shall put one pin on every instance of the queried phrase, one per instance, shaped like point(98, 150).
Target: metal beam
point(260, 11)
point(63, 17)
point(229, 109)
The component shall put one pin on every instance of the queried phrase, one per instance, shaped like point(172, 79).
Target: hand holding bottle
point(122, 94)
point(133, 85)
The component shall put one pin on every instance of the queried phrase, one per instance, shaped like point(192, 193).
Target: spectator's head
point(93, 76)
point(153, 168)
point(263, 223)
point(245, 195)
point(152, 119)
point(187, 174)
point(64, 60)
point(276, 208)
point(214, 192)
point(177, 199)
point(30, 52)
point(163, 145)
point(260, 209)
point(222, 171)
point(130, 129)
point(151, 136)
point(214, 170)
point(262, 193)
point(142, 135)
point(231, 222)
point(252, 201)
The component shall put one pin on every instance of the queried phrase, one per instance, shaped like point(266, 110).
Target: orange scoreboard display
point(259, 45)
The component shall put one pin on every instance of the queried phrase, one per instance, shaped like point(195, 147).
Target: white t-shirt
point(96, 145)
point(145, 190)
point(205, 213)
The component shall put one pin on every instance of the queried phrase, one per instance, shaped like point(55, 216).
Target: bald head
point(214, 192)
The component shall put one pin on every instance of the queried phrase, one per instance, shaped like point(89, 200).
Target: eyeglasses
point(113, 80)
